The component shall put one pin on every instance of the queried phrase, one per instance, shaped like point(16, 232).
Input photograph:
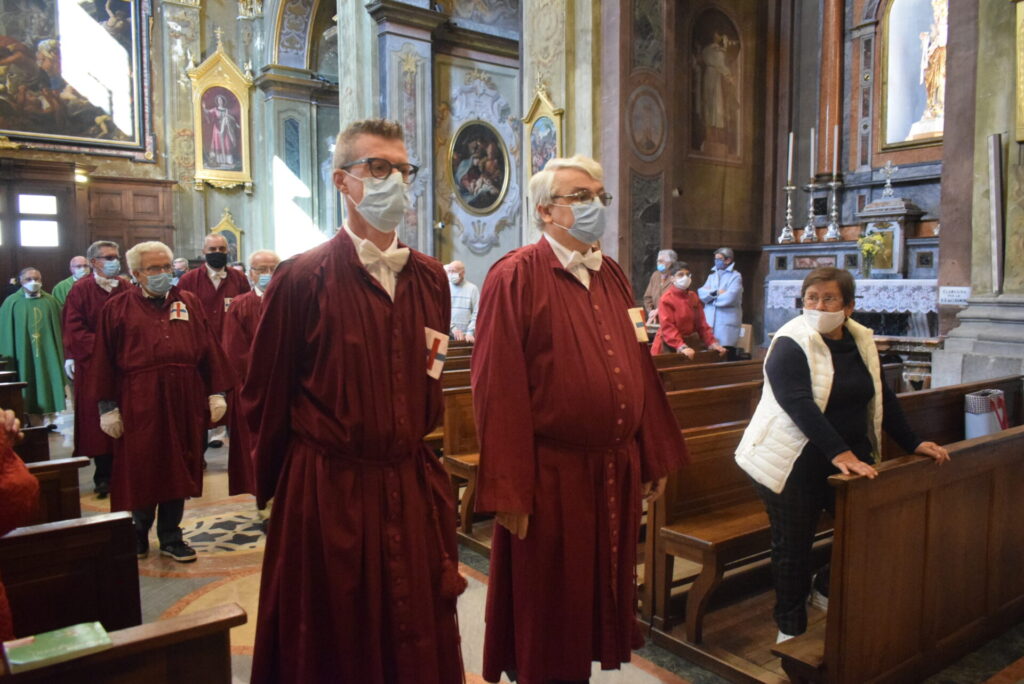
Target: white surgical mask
point(453, 278)
point(682, 282)
point(32, 286)
point(80, 272)
point(588, 221)
point(824, 321)
point(384, 201)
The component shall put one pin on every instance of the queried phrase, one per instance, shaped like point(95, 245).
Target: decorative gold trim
point(227, 225)
point(219, 70)
point(7, 144)
point(540, 108)
point(491, 208)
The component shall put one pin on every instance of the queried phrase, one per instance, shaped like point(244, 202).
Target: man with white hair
point(660, 282)
point(79, 268)
point(81, 319)
point(574, 430)
point(465, 303)
point(160, 377)
point(239, 329)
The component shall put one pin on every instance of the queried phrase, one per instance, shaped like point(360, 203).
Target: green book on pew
point(55, 647)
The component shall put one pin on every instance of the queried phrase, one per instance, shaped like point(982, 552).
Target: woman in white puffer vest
point(822, 412)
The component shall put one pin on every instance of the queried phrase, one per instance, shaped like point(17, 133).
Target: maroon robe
point(215, 301)
point(160, 372)
point(239, 329)
point(571, 420)
point(81, 316)
point(357, 582)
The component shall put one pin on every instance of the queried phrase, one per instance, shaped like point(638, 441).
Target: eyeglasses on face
point(382, 168)
point(156, 270)
point(109, 257)
point(827, 300)
point(586, 197)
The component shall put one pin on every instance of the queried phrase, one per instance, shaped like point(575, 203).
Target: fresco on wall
point(499, 14)
point(69, 71)
point(716, 90)
point(479, 166)
point(648, 35)
point(915, 83)
point(646, 123)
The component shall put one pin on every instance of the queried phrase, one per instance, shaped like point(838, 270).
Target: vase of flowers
point(869, 246)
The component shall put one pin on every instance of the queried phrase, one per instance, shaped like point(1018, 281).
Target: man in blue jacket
point(722, 294)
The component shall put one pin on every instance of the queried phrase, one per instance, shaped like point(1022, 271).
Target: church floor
point(225, 532)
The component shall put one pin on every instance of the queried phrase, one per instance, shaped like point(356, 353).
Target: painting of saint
point(222, 130)
point(915, 82)
point(479, 165)
point(647, 123)
point(716, 86)
point(543, 143)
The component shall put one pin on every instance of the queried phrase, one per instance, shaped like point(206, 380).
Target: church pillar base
point(988, 343)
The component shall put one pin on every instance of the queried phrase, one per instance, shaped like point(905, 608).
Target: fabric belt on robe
point(147, 369)
point(345, 453)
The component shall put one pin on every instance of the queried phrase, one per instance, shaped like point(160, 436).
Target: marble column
point(831, 90)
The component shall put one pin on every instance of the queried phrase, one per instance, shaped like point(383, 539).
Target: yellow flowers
point(870, 245)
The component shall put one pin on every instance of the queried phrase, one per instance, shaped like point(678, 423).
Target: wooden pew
point(673, 360)
point(11, 397)
point(716, 404)
point(693, 376)
point(8, 376)
point(926, 566)
point(455, 378)
point(461, 452)
point(63, 573)
point(58, 489)
point(35, 445)
point(193, 648)
point(458, 363)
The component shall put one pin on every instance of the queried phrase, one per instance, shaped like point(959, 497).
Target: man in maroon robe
point(239, 329)
point(574, 431)
point(159, 375)
point(81, 316)
point(359, 576)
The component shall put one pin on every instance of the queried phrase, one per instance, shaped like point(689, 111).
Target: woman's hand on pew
point(932, 451)
point(849, 464)
point(516, 523)
point(652, 491)
point(11, 425)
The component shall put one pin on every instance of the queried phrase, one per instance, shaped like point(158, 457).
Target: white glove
point(111, 423)
point(69, 368)
point(218, 406)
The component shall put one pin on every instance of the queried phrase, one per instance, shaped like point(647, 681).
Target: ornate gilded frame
point(219, 71)
point(232, 233)
point(506, 160)
point(541, 108)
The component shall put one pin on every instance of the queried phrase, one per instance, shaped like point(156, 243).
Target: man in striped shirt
point(465, 302)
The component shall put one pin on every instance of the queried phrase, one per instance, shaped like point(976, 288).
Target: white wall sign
point(954, 296)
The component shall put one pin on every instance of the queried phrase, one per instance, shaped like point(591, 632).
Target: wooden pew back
point(73, 571)
point(692, 376)
point(937, 415)
point(713, 405)
point(11, 398)
point(457, 363)
point(459, 422)
point(673, 360)
point(711, 480)
point(935, 551)
point(455, 378)
point(35, 446)
point(58, 489)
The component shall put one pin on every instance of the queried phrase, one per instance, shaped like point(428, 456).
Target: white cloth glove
point(69, 368)
point(218, 406)
point(111, 423)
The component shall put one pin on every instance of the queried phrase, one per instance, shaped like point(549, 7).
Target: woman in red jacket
point(681, 314)
point(19, 498)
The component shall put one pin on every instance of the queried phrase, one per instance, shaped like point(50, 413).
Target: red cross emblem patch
point(179, 312)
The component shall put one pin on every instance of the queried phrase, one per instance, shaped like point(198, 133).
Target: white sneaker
point(818, 600)
point(783, 637)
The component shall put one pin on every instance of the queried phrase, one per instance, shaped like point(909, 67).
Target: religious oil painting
point(813, 262)
point(479, 166)
point(646, 123)
point(914, 87)
point(222, 130)
point(543, 143)
point(716, 92)
point(74, 73)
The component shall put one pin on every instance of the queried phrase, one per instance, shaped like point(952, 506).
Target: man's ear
point(339, 181)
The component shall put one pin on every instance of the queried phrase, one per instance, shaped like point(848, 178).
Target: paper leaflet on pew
point(57, 646)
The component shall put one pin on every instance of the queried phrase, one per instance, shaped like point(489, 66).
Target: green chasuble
point(61, 289)
point(30, 334)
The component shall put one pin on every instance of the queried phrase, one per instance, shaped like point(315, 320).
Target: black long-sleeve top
point(844, 424)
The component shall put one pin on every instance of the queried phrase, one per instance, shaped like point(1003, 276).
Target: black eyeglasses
point(382, 168)
point(586, 197)
point(109, 257)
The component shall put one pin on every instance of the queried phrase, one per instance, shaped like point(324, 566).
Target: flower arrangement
point(869, 246)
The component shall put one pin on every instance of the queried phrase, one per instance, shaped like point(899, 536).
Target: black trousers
point(168, 516)
point(794, 515)
point(104, 466)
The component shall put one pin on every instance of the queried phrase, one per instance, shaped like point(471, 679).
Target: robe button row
point(607, 337)
point(611, 353)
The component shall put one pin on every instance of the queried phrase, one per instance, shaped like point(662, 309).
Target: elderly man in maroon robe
point(239, 329)
point(81, 317)
point(574, 430)
point(360, 576)
point(160, 376)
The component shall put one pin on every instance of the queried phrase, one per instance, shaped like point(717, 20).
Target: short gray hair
point(542, 183)
point(669, 254)
point(94, 248)
point(262, 251)
point(725, 252)
point(134, 255)
point(22, 272)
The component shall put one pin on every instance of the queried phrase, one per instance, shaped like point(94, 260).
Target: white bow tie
point(395, 259)
point(219, 275)
point(592, 261)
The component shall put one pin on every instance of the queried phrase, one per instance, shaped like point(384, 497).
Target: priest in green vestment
point(79, 268)
point(30, 334)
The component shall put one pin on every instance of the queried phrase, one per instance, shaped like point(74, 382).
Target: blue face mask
point(159, 284)
point(662, 268)
point(263, 281)
point(720, 264)
point(80, 272)
point(111, 268)
point(588, 222)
